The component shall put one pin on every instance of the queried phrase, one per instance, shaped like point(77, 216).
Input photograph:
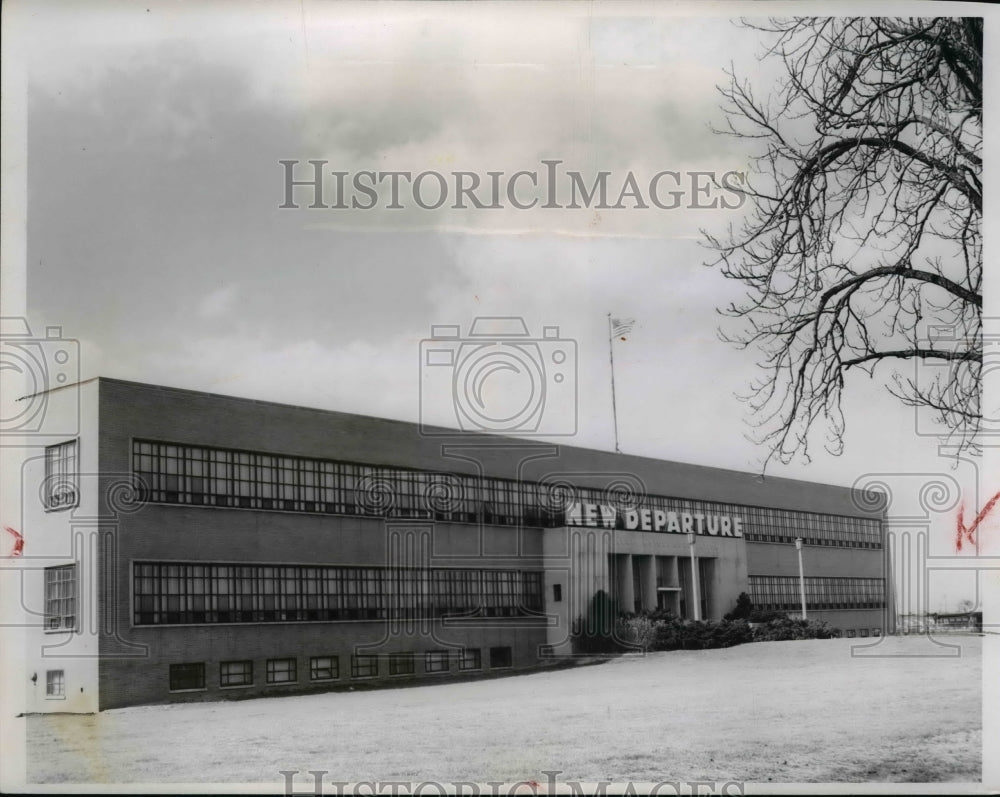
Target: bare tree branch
point(862, 242)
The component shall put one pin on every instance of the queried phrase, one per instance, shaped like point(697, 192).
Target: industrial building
point(181, 545)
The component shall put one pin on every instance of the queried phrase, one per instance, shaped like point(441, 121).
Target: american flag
point(621, 326)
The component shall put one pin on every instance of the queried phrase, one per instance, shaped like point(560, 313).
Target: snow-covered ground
point(779, 711)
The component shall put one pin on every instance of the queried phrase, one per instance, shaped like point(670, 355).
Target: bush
point(765, 615)
point(660, 630)
point(637, 630)
point(788, 628)
point(659, 615)
point(744, 606)
point(596, 632)
point(667, 632)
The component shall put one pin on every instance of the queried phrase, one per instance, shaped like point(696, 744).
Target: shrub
point(659, 614)
point(793, 628)
point(744, 606)
point(638, 630)
point(671, 633)
point(735, 632)
point(596, 632)
point(660, 630)
point(765, 615)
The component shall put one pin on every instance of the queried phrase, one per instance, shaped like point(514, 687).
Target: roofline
point(27, 396)
point(457, 432)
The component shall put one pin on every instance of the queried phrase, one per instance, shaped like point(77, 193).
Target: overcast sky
point(156, 238)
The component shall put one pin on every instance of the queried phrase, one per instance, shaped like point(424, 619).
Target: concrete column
point(626, 595)
point(647, 577)
point(674, 580)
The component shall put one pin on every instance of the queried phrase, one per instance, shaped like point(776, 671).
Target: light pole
point(695, 588)
point(802, 578)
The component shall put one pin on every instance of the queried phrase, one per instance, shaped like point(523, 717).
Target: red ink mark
point(624, 338)
point(967, 532)
point(18, 541)
point(532, 783)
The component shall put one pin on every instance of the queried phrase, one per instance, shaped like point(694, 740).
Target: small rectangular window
point(500, 657)
point(61, 476)
point(400, 664)
point(60, 598)
point(364, 666)
point(281, 671)
point(184, 677)
point(436, 661)
point(236, 673)
point(55, 683)
point(470, 659)
point(557, 593)
point(324, 668)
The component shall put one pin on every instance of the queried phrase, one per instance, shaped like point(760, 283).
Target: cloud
point(218, 303)
point(408, 91)
point(155, 232)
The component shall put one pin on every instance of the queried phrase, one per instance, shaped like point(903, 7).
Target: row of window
point(199, 475)
point(791, 536)
point(167, 593)
point(761, 524)
point(783, 592)
point(175, 593)
point(191, 675)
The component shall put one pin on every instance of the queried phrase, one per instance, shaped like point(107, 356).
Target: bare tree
point(861, 243)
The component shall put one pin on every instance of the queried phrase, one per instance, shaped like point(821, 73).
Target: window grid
point(61, 475)
point(187, 676)
point(324, 668)
point(401, 664)
point(55, 683)
point(436, 661)
point(235, 673)
point(60, 598)
point(281, 671)
point(186, 593)
point(781, 593)
point(182, 474)
point(364, 666)
point(470, 659)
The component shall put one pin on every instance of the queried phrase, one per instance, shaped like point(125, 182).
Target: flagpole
point(614, 408)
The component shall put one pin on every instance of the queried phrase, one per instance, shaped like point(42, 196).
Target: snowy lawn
point(780, 711)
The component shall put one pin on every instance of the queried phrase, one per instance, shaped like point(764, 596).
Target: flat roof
point(692, 481)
